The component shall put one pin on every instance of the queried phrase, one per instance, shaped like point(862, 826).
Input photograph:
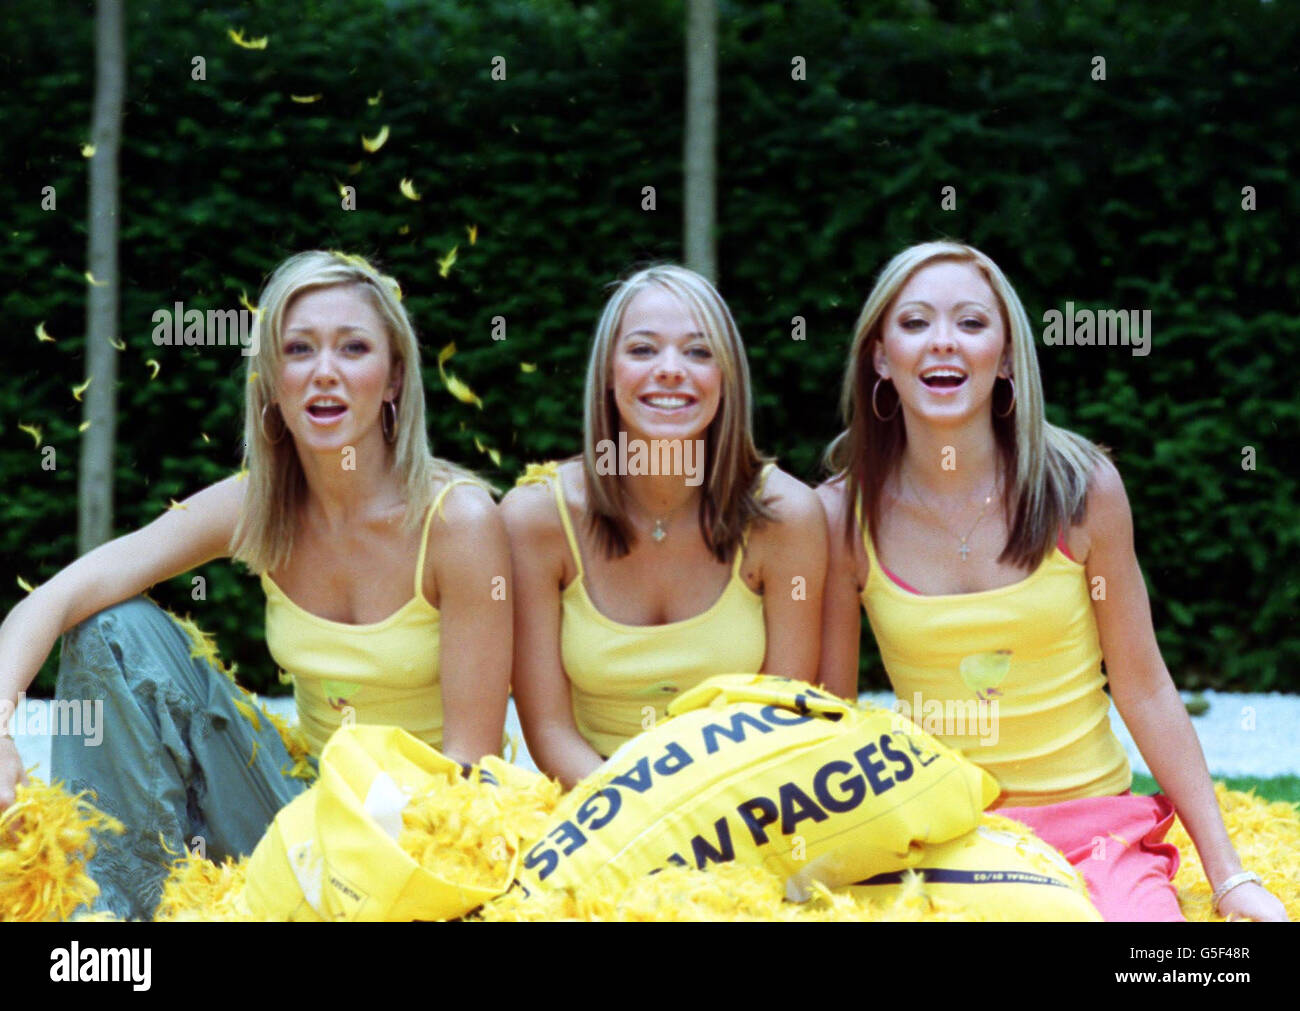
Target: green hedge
point(1123, 193)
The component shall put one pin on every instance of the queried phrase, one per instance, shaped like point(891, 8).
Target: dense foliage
point(1121, 193)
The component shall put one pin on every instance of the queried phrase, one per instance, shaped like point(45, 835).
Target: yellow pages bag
point(999, 870)
point(764, 771)
point(333, 852)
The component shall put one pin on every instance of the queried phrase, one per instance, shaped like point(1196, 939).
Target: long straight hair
point(277, 487)
point(729, 499)
point(1046, 469)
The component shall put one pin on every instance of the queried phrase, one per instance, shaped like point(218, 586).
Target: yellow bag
point(764, 771)
point(1000, 870)
point(332, 852)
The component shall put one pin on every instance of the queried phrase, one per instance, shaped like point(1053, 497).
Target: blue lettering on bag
point(780, 717)
point(854, 788)
point(796, 806)
point(873, 768)
point(706, 854)
point(675, 759)
point(736, 732)
point(637, 778)
point(757, 813)
point(894, 755)
point(587, 813)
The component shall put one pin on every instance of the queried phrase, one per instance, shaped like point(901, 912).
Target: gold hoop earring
point(876, 410)
point(283, 427)
point(1012, 406)
point(388, 421)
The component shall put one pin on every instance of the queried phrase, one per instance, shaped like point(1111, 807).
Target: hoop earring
point(283, 427)
point(876, 410)
point(1012, 406)
point(388, 421)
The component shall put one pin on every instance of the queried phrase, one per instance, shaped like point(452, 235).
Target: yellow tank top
point(384, 672)
point(1029, 655)
point(624, 676)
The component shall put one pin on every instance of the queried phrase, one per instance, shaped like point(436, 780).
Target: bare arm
point(1145, 694)
point(841, 609)
point(177, 541)
point(794, 573)
point(471, 555)
point(541, 687)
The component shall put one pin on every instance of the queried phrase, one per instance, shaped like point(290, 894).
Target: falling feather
point(173, 504)
point(83, 426)
point(205, 436)
point(237, 37)
point(87, 150)
point(41, 335)
point(373, 144)
point(243, 300)
point(91, 278)
point(154, 366)
point(119, 344)
point(77, 391)
point(408, 190)
point(457, 388)
point(34, 431)
point(527, 367)
point(404, 230)
point(374, 99)
point(25, 585)
point(472, 232)
point(445, 264)
point(305, 99)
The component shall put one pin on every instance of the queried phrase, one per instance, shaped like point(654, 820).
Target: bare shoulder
point(834, 497)
point(1108, 514)
point(466, 506)
point(789, 499)
point(213, 513)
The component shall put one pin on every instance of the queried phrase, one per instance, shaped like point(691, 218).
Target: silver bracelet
point(1233, 882)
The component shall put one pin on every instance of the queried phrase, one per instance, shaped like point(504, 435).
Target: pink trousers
point(1117, 844)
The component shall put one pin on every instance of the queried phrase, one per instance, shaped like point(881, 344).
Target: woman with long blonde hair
point(993, 553)
point(378, 560)
point(671, 550)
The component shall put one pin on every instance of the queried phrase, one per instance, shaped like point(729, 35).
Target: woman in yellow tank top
point(667, 554)
point(379, 564)
point(993, 553)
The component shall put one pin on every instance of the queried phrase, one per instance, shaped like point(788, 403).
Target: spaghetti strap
point(424, 533)
point(557, 484)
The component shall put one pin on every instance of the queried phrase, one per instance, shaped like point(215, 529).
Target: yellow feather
point(25, 585)
point(373, 144)
point(472, 232)
point(374, 99)
point(305, 99)
point(173, 504)
point(408, 190)
point(237, 37)
point(34, 431)
point(120, 345)
point(155, 366)
point(41, 335)
point(77, 391)
point(91, 278)
point(243, 300)
point(527, 367)
point(445, 264)
point(205, 436)
point(455, 386)
point(87, 150)
point(83, 426)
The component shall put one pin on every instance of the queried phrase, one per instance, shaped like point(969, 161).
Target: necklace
point(659, 530)
point(964, 550)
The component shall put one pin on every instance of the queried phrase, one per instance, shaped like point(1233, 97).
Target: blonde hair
point(1047, 468)
point(277, 488)
point(729, 501)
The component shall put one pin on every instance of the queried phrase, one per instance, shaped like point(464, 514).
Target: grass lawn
point(1272, 788)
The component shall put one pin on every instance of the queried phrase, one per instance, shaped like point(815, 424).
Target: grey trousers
point(176, 763)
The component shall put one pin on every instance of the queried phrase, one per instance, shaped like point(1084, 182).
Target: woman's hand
point(11, 771)
point(1253, 902)
point(841, 604)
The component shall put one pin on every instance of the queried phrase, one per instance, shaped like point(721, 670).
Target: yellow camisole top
point(624, 676)
point(1031, 652)
point(385, 672)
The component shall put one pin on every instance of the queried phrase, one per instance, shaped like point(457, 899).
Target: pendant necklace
point(964, 550)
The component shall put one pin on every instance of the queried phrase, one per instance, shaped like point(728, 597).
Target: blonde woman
point(993, 553)
point(377, 559)
point(632, 587)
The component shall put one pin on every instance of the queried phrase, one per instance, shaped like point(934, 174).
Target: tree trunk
point(95, 478)
point(700, 144)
